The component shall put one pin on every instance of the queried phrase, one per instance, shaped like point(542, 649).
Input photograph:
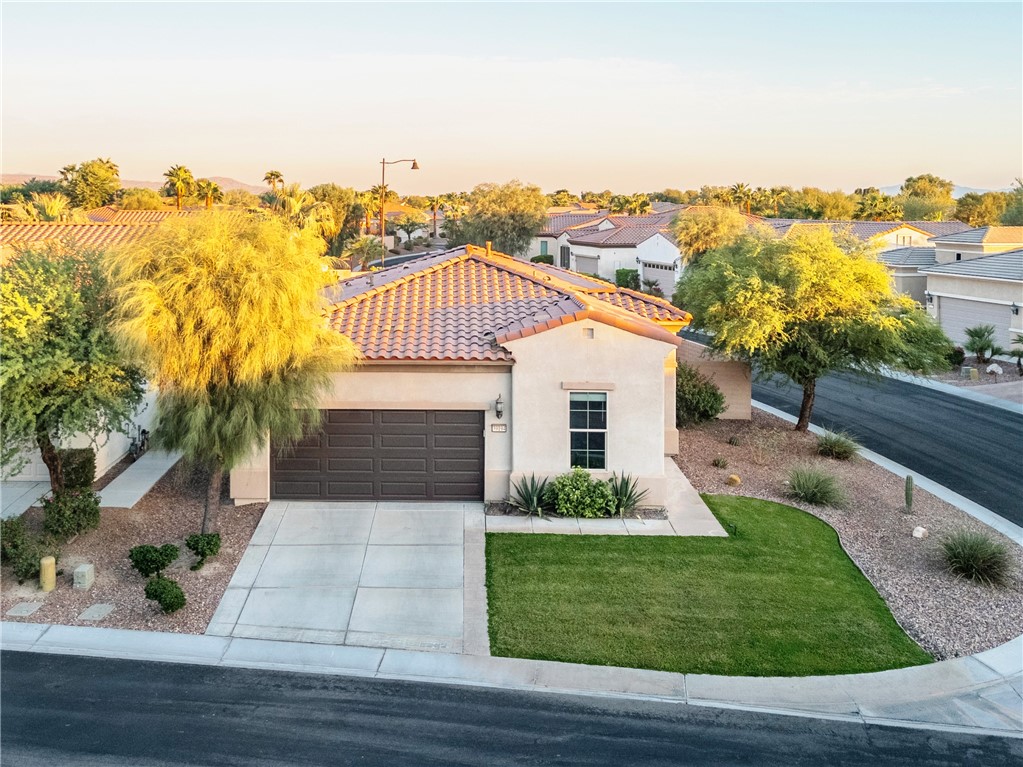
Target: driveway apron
point(370, 574)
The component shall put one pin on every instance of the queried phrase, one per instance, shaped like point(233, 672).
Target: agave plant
point(626, 492)
point(529, 494)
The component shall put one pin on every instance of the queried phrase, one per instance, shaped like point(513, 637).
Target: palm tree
point(209, 191)
point(52, 206)
point(776, 196)
point(435, 204)
point(362, 252)
point(638, 205)
point(299, 208)
point(619, 204)
point(273, 178)
point(742, 194)
point(225, 312)
point(366, 200)
point(180, 181)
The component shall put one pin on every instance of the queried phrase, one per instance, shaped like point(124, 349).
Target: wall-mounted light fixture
point(929, 296)
point(1015, 308)
point(499, 408)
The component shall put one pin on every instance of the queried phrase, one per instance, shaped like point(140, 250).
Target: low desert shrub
point(22, 550)
point(837, 445)
point(719, 463)
point(543, 260)
point(956, 356)
point(577, 494)
point(625, 493)
point(166, 593)
point(627, 278)
point(815, 486)
point(528, 495)
point(976, 556)
point(697, 399)
point(152, 560)
point(204, 546)
point(79, 467)
point(981, 342)
point(71, 512)
point(13, 535)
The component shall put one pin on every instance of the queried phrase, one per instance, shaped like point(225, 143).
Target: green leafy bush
point(976, 556)
point(204, 546)
point(577, 494)
point(625, 493)
point(71, 512)
point(815, 486)
point(13, 536)
point(166, 593)
point(543, 260)
point(151, 560)
point(697, 399)
point(79, 467)
point(956, 356)
point(720, 463)
point(528, 494)
point(981, 342)
point(838, 445)
point(627, 278)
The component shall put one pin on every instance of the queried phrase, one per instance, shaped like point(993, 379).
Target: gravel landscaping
point(947, 616)
point(170, 512)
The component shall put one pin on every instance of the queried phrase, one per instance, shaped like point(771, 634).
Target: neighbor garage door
point(957, 314)
point(387, 455)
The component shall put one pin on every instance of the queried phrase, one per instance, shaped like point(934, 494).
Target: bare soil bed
point(948, 616)
point(169, 513)
point(954, 376)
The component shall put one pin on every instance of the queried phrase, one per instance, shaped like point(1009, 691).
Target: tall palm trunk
point(179, 199)
point(806, 408)
point(211, 511)
point(52, 460)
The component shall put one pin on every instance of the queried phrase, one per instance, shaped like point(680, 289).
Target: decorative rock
point(994, 369)
point(920, 532)
point(85, 576)
point(733, 480)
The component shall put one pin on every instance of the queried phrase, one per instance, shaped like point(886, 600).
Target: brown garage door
point(386, 455)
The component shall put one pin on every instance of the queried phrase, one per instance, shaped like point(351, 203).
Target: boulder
point(920, 532)
point(994, 369)
point(733, 480)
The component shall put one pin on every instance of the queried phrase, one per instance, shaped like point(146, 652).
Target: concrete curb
point(956, 391)
point(975, 695)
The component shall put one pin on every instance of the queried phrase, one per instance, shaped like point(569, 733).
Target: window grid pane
point(587, 417)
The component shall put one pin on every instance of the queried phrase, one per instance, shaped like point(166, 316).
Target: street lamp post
point(383, 188)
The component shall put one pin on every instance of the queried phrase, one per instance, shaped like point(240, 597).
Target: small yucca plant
point(836, 444)
point(529, 494)
point(626, 492)
point(976, 556)
point(815, 486)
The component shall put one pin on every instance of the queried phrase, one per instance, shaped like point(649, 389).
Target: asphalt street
point(971, 448)
point(68, 710)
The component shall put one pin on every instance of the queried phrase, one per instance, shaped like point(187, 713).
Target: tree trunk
point(806, 408)
point(179, 200)
point(211, 511)
point(52, 460)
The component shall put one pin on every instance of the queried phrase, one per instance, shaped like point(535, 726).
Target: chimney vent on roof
point(490, 247)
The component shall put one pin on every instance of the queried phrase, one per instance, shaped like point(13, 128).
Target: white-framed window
point(543, 247)
point(587, 427)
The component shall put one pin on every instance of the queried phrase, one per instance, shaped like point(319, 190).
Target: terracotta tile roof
point(462, 305)
point(626, 236)
point(559, 222)
point(86, 235)
point(111, 215)
point(985, 234)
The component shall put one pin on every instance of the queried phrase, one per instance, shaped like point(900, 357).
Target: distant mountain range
point(957, 191)
point(226, 184)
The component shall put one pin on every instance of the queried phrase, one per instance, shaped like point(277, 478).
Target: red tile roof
point(86, 235)
point(462, 305)
point(111, 215)
point(559, 222)
point(626, 236)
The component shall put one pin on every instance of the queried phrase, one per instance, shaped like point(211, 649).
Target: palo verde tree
point(703, 229)
point(225, 314)
point(803, 307)
point(60, 369)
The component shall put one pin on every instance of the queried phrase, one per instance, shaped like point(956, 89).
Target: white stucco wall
point(945, 253)
point(629, 368)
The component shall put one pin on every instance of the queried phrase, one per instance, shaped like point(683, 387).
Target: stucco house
point(480, 369)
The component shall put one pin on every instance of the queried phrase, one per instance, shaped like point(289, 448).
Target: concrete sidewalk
point(982, 694)
point(17, 497)
point(138, 479)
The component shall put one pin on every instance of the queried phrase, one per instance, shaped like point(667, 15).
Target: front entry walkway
point(369, 574)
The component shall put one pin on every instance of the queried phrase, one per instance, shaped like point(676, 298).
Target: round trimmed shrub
point(150, 560)
point(79, 466)
point(203, 545)
point(71, 512)
point(697, 398)
point(577, 494)
point(166, 593)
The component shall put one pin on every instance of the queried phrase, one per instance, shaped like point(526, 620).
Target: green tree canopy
point(982, 209)
point(802, 307)
point(180, 182)
point(926, 198)
point(562, 197)
point(346, 214)
point(1013, 215)
point(91, 184)
point(141, 199)
point(209, 192)
point(706, 229)
point(410, 223)
point(60, 370)
point(508, 215)
point(225, 314)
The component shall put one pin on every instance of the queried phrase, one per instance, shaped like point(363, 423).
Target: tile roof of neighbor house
point(939, 228)
point(559, 222)
point(1000, 266)
point(92, 235)
point(984, 234)
point(463, 304)
point(111, 215)
point(864, 230)
point(626, 236)
point(907, 256)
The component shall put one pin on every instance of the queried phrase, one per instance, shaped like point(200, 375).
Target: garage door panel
point(957, 314)
point(386, 454)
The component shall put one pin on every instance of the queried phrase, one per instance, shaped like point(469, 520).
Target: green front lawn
point(779, 597)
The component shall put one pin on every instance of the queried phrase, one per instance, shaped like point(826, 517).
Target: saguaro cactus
point(909, 493)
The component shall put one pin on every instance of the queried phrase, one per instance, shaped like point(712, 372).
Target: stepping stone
point(96, 612)
point(24, 609)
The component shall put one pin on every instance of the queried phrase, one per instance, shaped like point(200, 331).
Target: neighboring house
point(905, 265)
point(480, 369)
point(888, 235)
point(111, 215)
point(985, 290)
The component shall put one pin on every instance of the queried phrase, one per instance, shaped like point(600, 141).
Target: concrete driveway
point(369, 574)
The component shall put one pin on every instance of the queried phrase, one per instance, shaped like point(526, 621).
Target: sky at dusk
point(631, 97)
